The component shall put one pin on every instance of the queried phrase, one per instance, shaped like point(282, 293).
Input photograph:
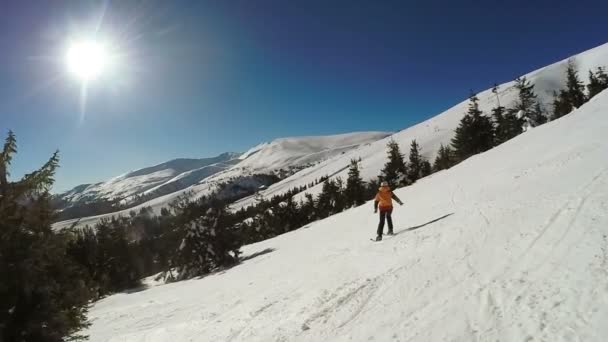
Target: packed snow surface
point(510, 245)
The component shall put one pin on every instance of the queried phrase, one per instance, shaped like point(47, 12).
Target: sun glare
point(87, 60)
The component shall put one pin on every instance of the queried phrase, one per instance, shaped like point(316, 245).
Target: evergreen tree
point(340, 202)
point(575, 95)
point(415, 164)
point(474, 134)
point(538, 117)
point(426, 168)
point(526, 96)
point(43, 293)
point(355, 189)
point(561, 106)
point(115, 268)
point(527, 103)
point(598, 81)
point(371, 188)
point(208, 243)
point(445, 158)
point(395, 169)
point(327, 200)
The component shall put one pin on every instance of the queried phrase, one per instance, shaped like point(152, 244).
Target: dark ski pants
point(385, 214)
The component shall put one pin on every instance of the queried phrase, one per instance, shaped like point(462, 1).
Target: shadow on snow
point(424, 224)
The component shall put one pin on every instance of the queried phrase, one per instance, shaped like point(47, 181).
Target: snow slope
point(282, 154)
point(439, 129)
point(510, 245)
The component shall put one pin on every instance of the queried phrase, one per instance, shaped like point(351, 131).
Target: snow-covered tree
point(208, 243)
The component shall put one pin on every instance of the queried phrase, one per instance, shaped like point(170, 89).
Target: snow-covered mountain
point(509, 245)
point(175, 174)
point(439, 129)
point(283, 156)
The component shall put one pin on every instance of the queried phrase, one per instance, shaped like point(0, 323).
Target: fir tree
point(445, 158)
point(598, 81)
point(327, 200)
point(527, 102)
point(115, 266)
point(355, 189)
point(538, 117)
point(574, 94)
point(395, 169)
point(415, 162)
point(561, 106)
point(44, 294)
point(426, 168)
point(208, 243)
point(474, 134)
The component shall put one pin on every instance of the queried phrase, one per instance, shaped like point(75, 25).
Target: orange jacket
point(384, 198)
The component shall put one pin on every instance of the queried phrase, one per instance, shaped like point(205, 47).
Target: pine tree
point(602, 77)
point(538, 116)
point(415, 163)
point(474, 134)
point(598, 81)
point(445, 158)
point(395, 169)
point(327, 200)
point(528, 103)
point(426, 168)
point(498, 113)
point(561, 106)
point(44, 294)
point(575, 95)
point(526, 96)
point(115, 265)
point(355, 189)
point(209, 242)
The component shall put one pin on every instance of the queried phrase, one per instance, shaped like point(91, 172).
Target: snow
point(510, 245)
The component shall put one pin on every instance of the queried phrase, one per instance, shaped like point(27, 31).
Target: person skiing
point(384, 201)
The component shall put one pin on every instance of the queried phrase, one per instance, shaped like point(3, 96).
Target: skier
point(384, 200)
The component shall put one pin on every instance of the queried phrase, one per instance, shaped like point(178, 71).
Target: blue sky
point(198, 78)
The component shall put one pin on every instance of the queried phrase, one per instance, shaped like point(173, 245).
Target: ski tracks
point(585, 191)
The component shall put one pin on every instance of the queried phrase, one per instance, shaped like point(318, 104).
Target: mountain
point(161, 184)
point(174, 174)
point(439, 129)
point(509, 245)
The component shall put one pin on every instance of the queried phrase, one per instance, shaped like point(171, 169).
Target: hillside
point(439, 129)
point(150, 179)
point(509, 245)
point(283, 156)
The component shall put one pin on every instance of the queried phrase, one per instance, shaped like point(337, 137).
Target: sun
point(87, 60)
